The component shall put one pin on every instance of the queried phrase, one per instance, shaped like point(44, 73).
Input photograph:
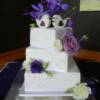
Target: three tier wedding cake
point(49, 65)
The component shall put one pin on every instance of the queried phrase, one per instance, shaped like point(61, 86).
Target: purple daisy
point(70, 44)
point(37, 66)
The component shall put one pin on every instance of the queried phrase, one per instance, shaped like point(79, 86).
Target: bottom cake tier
point(59, 82)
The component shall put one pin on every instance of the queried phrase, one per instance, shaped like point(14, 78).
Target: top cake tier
point(45, 38)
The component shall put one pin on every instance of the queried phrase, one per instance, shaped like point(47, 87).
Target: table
point(14, 92)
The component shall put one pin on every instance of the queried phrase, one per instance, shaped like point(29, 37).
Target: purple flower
point(70, 44)
point(91, 84)
point(56, 7)
point(37, 11)
point(70, 23)
point(49, 7)
point(37, 66)
point(39, 7)
point(69, 31)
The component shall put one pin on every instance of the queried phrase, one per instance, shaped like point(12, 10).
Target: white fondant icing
point(38, 54)
point(45, 38)
point(58, 61)
point(58, 83)
point(42, 38)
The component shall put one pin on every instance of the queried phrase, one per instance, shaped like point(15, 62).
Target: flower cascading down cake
point(48, 64)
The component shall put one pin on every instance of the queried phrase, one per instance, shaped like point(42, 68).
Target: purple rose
point(37, 66)
point(70, 44)
point(69, 31)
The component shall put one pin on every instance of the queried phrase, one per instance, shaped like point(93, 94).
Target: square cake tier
point(45, 38)
point(59, 82)
point(58, 61)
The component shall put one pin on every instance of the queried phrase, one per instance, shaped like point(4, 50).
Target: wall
point(14, 30)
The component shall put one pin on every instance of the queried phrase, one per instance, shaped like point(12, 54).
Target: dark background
point(14, 27)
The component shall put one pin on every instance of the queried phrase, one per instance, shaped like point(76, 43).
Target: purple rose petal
point(69, 31)
point(70, 44)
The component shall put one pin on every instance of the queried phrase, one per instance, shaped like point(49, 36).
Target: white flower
point(58, 44)
point(81, 91)
point(26, 64)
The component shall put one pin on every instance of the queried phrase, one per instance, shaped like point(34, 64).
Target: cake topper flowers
point(70, 44)
point(50, 7)
point(45, 10)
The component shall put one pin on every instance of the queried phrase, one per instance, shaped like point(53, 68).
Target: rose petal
point(70, 44)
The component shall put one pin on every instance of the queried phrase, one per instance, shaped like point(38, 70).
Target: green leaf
point(33, 25)
point(50, 74)
point(45, 65)
point(69, 90)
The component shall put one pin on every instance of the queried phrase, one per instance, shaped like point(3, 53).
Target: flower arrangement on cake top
point(49, 7)
point(50, 12)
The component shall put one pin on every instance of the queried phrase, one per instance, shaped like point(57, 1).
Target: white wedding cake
point(49, 68)
point(60, 72)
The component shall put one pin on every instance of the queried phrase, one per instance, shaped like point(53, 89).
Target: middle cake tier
point(58, 61)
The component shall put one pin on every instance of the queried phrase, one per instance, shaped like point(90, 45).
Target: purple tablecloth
point(7, 77)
